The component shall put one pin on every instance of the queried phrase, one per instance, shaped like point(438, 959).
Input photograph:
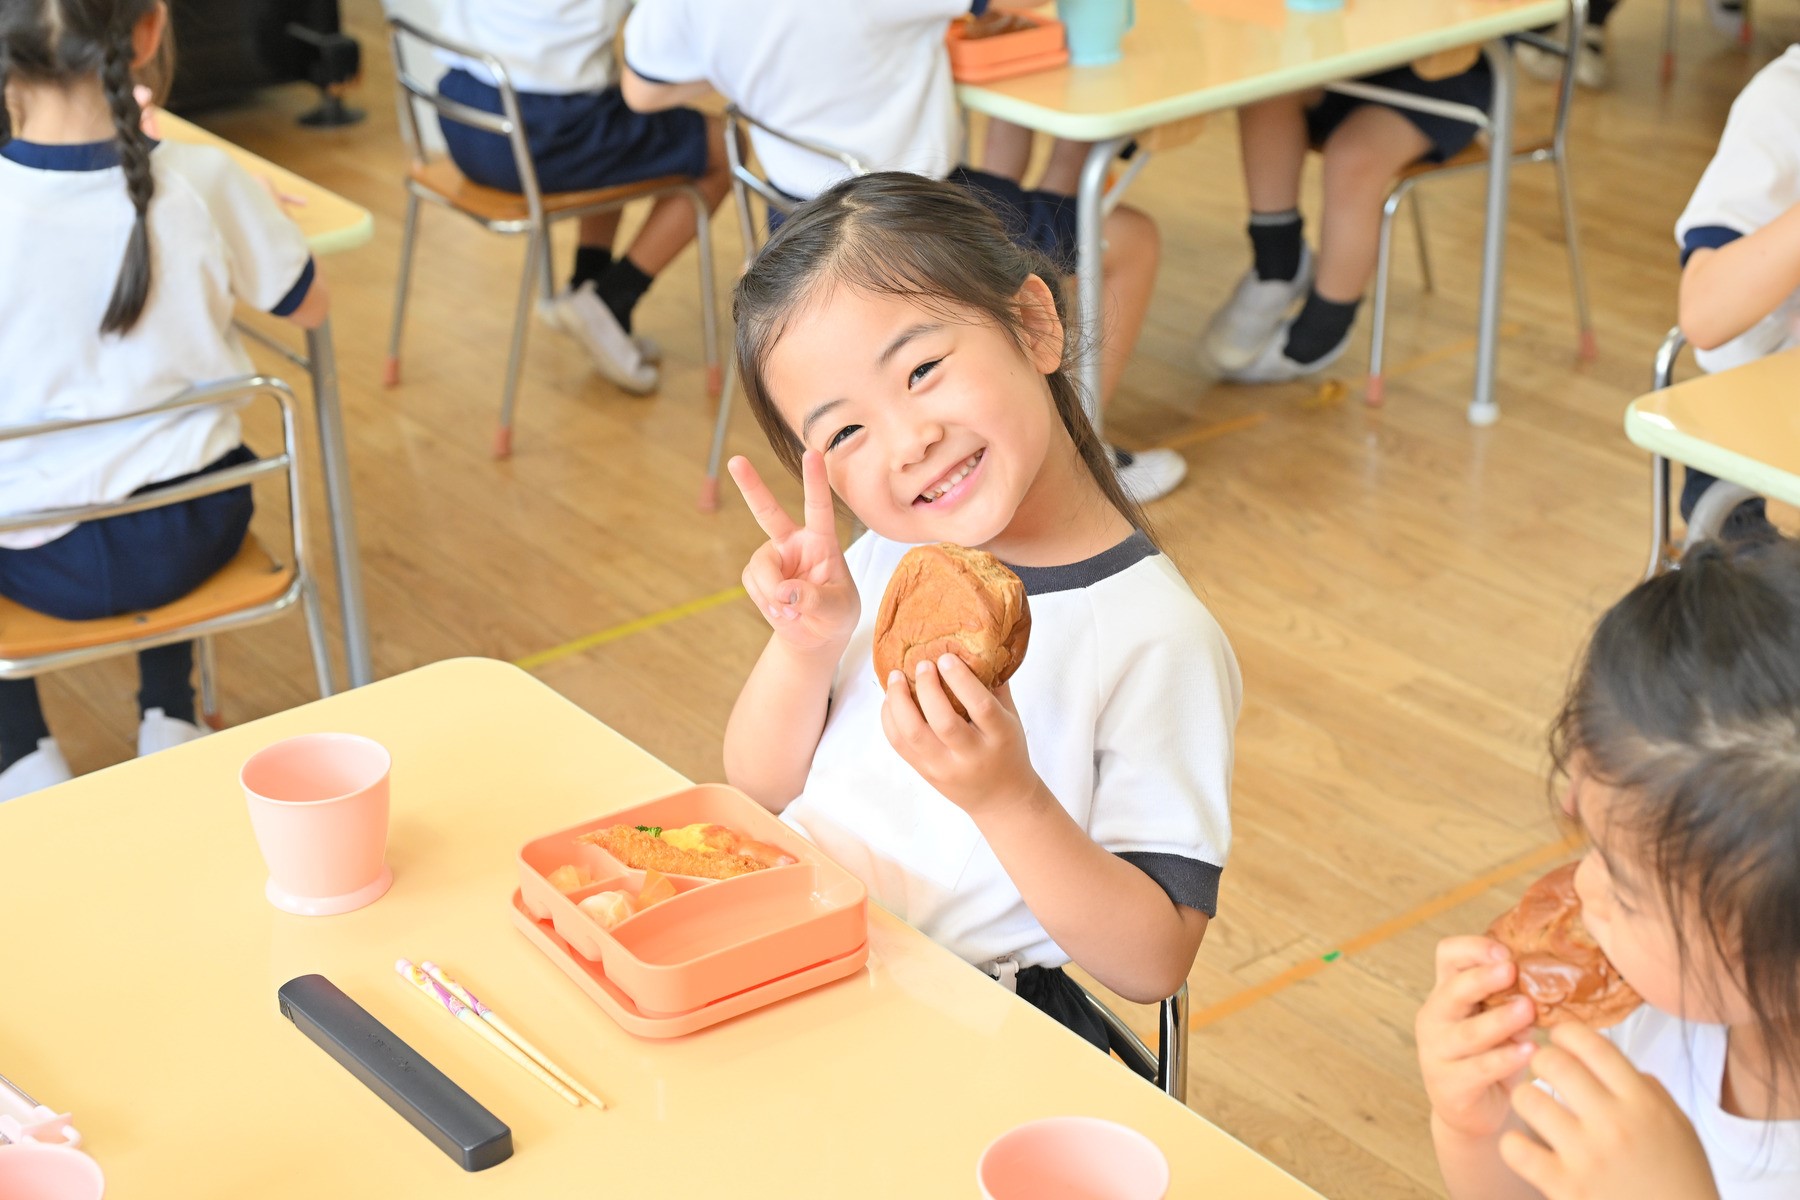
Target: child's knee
point(1359, 167)
point(1132, 232)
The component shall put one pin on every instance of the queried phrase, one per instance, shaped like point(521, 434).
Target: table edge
point(1691, 451)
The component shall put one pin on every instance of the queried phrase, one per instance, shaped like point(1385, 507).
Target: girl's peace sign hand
point(798, 578)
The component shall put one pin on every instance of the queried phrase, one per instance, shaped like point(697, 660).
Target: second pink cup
point(1072, 1158)
point(319, 808)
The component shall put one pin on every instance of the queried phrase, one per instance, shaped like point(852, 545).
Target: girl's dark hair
point(59, 42)
point(897, 234)
point(1688, 700)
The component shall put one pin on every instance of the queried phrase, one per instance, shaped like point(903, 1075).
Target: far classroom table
point(331, 224)
point(1185, 58)
point(141, 963)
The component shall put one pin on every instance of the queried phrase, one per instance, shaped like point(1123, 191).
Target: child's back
point(216, 237)
point(869, 79)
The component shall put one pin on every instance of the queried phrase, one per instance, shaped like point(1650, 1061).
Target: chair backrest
point(415, 91)
point(227, 392)
point(744, 180)
point(1167, 1067)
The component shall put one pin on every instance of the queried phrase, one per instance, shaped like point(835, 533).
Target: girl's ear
point(147, 35)
point(1042, 327)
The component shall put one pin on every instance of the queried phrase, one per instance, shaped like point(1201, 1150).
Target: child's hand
point(1610, 1130)
point(975, 763)
point(1469, 1058)
point(798, 578)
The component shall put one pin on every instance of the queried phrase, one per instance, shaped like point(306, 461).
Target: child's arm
point(1470, 1060)
point(315, 307)
point(1109, 916)
point(1725, 292)
point(800, 583)
point(648, 95)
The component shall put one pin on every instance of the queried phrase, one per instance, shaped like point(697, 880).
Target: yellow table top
point(1186, 57)
point(141, 963)
point(330, 222)
point(1741, 425)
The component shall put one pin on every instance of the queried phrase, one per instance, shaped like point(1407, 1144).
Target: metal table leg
point(1483, 410)
point(336, 465)
point(1090, 295)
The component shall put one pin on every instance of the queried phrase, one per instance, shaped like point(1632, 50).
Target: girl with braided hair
point(121, 263)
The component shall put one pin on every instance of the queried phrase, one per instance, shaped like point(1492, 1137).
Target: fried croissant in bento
point(703, 851)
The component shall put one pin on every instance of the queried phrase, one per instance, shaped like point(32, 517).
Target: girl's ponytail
point(133, 286)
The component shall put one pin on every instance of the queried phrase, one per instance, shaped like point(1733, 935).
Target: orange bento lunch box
point(713, 938)
point(1005, 55)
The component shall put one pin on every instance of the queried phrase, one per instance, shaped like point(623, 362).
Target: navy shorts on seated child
point(135, 561)
point(1448, 136)
point(578, 141)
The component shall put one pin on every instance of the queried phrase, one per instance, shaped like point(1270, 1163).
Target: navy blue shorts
point(136, 561)
point(1041, 221)
point(1448, 137)
point(578, 141)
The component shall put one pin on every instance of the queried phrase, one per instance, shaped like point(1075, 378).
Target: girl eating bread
point(907, 359)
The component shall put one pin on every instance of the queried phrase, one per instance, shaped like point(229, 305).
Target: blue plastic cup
point(1315, 5)
point(1094, 29)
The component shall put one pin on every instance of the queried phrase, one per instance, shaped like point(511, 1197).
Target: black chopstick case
point(393, 1070)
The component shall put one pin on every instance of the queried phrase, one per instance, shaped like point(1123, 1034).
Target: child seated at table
point(901, 352)
point(1257, 337)
point(1740, 251)
point(874, 80)
point(1678, 743)
point(559, 56)
point(121, 261)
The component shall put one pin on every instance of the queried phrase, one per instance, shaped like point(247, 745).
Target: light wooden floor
point(1404, 592)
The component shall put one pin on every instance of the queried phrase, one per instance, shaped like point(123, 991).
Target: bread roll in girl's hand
point(1561, 968)
point(948, 599)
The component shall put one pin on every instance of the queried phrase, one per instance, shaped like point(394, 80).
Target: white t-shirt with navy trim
point(1753, 178)
point(557, 47)
point(1751, 1160)
point(1129, 694)
point(871, 79)
point(217, 237)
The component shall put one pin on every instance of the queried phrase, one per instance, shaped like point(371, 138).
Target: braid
point(133, 287)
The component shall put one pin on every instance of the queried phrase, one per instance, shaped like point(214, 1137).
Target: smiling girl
point(1681, 741)
point(901, 353)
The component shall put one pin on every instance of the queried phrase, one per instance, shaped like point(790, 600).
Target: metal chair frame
point(745, 181)
point(1556, 153)
point(1715, 503)
point(1167, 1066)
point(539, 274)
point(302, 590)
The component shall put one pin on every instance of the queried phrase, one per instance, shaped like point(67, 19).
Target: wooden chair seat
point(250, 579)
point(1475, 152)
point(442, 179)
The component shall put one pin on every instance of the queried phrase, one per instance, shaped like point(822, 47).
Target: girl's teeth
point(961, 474)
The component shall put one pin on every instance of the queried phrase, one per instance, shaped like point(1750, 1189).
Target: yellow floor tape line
point(1303, 971)
point(532, 662)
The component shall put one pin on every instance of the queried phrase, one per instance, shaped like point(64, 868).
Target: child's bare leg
point(669, 227)
point(1273, 140)
point(1062, 174)
point(1363, 157)
point(1007, 151)
point(1133, 251)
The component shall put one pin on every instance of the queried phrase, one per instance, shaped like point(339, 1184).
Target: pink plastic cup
point(1072, 1158)
point(31, 1170)
point(319, 806)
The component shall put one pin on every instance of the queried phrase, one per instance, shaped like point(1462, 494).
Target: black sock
point(1275, 240)
point(591, 263)
point(21, 720)
point(1320, 326)
point(165, 680)
point(621, 288)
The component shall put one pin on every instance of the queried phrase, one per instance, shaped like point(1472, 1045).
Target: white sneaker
point(1242, 327)
point(1272, 365)
point(1727, 16)
point(649, 349)
point(42, 768)
point(1590, 63)
point(1149, 474)
point(582, 316)
point(159, 732)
